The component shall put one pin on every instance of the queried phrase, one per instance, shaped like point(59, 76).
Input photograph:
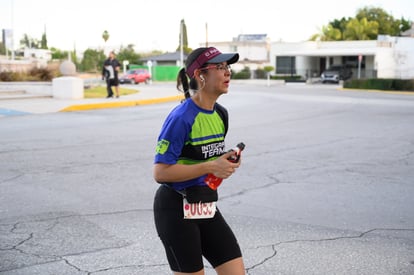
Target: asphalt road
point(326, 185)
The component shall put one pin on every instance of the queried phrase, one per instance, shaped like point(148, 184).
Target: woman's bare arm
point(220, 167)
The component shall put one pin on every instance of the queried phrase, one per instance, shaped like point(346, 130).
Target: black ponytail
point(183, 85)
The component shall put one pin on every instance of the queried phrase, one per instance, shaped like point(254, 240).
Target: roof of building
point(410, 32)
point(251, 37)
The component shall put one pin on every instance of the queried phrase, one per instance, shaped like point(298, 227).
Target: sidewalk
point(147, 94)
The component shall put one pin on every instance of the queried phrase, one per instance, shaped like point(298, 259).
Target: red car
point(135, 76)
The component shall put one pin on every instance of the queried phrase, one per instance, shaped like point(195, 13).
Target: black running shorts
point(114, 82)
point(187, 240)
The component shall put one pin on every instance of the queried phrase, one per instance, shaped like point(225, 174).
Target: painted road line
point(120, 104)
point(10, 112)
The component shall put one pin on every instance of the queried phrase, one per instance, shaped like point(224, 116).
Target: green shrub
point(286, 77)
point(6, 76)
point(243, 74)
point(381, 84)
point(41, 74)
point(34, 74)
point(269, 69)
point(404, 85)
point(260, 74)
point(12, 76)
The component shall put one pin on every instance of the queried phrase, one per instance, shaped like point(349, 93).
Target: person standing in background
point(110, 71)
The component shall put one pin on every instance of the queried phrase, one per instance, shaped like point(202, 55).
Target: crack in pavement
point(77, 215)
point(274, 246)
point(73, 266)
point(11, 179)
point(56, 258)
point(246, 190)
point(51, 258)
point(125, 266)
point(111, 268)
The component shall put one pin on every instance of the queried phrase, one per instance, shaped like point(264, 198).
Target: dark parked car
point(135, 76)
point(335, 73)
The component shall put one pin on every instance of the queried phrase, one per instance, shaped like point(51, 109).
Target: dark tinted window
point(285, 65)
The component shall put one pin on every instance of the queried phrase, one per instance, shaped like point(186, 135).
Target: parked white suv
point(335, 73)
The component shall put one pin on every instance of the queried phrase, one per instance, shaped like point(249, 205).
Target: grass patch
point(100, 92)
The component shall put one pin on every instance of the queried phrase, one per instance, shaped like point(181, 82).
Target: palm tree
point(361, 29)
point(328, 33)
point(105, 35)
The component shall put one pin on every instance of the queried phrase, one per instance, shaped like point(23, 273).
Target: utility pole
point(206, 35)
point(12, 27)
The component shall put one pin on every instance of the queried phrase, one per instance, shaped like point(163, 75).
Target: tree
point(328, 33)
point(74, 58)
point(386, 23)
point(58, 54)
point(405, 25)
point(25, 42)
point(105, 35)
point(2, 48)
point(92, 61)
point(29, 42)
point(43, 42)
point(183, 28)
point(361, 30)
point(129, 54)
point(368, 23)
point(340, 24)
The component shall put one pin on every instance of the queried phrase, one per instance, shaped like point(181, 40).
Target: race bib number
point(201, 210)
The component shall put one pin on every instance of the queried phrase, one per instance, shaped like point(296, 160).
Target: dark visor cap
point(210, 55)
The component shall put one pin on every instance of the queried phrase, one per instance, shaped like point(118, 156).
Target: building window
point(286, 65)
point(353, 61)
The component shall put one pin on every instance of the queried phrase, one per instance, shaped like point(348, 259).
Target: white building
point(38, 54)
point(254, 50)
point(386, 57)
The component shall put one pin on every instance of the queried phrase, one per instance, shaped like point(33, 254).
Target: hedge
point(381, 84)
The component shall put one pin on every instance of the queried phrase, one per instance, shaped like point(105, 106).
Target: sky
point(155, 24)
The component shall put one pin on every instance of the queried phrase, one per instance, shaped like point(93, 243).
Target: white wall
point(38, 54)
point(404, 57)
point(37, 88)
point(395, 57)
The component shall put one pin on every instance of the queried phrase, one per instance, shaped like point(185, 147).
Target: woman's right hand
point(223, 168)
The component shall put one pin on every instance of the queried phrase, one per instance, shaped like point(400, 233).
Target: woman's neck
point(204, 101)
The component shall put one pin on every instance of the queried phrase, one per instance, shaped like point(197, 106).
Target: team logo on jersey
point(162, 146)
point(213, 149)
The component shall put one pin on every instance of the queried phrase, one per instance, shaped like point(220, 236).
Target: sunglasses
point(218, 67)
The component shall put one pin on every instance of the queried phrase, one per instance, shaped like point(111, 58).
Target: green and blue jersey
point(190, 135)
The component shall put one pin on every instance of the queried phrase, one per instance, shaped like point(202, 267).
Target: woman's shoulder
point(185, 111)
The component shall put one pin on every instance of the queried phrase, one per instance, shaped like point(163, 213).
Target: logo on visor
point(211, 52)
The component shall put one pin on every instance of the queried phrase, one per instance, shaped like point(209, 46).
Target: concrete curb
point(120, 104)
